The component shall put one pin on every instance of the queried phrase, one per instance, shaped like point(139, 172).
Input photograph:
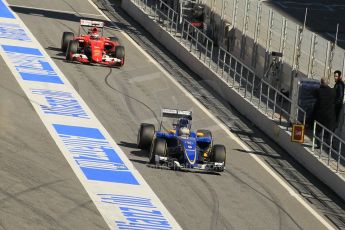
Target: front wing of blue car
point(170, 163)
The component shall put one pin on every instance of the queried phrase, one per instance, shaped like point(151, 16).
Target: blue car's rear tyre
point(145, 135)
point(158, 148)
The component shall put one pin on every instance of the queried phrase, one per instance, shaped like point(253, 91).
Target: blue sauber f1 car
point(179, 147)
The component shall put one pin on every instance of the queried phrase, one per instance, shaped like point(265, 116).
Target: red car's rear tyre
point(66, 38)
point(120, 52)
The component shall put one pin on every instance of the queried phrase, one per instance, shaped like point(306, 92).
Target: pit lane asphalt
point(37, 179)
point(38, 189)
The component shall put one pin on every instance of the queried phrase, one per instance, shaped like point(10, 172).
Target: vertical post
point(331, 54)
point(241, 73)
point(314, 133)
point(217, 68)
point(172, 22)
point(245, 29)
point(330, 150)
point(222, 11)
point(229, 68)
point(245, 90)
point(209, 65)
point(234, 13)
point(305, 18)
point(267, 98)
point(282, 48)
point(312, 56)
point(336, 35)
point(235, 73)
point(197, 40)
point(339, 155)
point(253, 82)
point(224, 64)
point(168, 18)
point(206, 50)
point(328, 52)
point(275, 102)
point(343, 64)
point(188, 35)
point(281, 109)
point(321, 144)
point(223, 19)
point(295, 69)
point(330, 61)
point(155, 13)
point(256, 34)
point(268, 40)
point(260, 95)
point(182, 32)
point(176, 24)
point(181, 12)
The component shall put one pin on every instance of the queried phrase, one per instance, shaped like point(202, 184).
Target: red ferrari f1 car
point(92, 47)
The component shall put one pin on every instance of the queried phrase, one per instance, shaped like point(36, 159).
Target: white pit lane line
point(117, 189)
point(291, 191)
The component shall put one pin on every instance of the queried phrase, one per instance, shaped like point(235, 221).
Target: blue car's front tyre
point(218, 154)
point(158, 148)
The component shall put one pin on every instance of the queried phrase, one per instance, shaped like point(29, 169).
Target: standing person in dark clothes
point(324, 111)
point(339, 94)
point(324, 108)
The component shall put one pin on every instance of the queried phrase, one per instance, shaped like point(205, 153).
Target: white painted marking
point(285, 185)
point(57, 11)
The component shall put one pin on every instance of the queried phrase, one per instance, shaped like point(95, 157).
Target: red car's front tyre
point(71, 49)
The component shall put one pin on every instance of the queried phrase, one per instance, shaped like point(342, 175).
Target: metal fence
point(329, 147)
point(169, 17)
point(267, 30)
point(199, 44)
point(234, 72)
point(260, 93)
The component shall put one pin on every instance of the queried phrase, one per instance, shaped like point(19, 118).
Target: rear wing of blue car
point(177, 114)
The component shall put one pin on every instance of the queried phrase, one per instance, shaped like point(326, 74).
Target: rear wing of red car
point(90, 23)
point(85, 26)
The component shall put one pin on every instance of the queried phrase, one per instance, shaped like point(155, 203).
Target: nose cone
point(190, 149)
point(97, 50)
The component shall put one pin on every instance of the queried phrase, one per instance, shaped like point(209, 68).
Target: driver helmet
point(94, 36)
point(94, 33)
point(93, 30)
point(184, 131)
point(183, 122)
